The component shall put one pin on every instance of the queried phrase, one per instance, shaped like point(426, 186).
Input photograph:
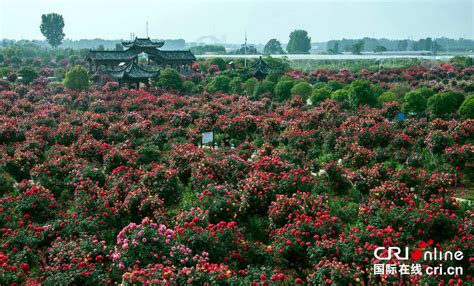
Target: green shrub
point(388, 97)
point(361, 92)
point(414, 101)
point(443, 104)
point(467, 107)
point(249, 86)
point(283, 90)
point(77, 79)
point(302, 89)
point(6, 184)
point(236, 86)
point(264, 87)
point(219, 83)
point(340, 95)
point(319, 95)
point(189, 87)
point(220, 62)
point(28, 75)
point(168, 79)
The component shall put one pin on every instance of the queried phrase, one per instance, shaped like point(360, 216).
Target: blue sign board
point(400, 116)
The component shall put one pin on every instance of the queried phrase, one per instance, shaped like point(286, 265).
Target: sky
point(230, 20)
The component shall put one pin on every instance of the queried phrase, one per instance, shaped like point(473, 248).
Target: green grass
point(187, 200)
point(355, 65)
point(468, 196)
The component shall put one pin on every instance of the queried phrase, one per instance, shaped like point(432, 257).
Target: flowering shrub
point(149, 243)
point(84, 260)
point(221, 241)
point(111, 186)
point(35, 202)
point(163, 182)
point(293, 239)
point(328, 272)
point(222, 201)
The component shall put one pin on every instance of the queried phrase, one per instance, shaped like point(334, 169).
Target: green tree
point(388, 97)
point(273, 47)
point(28, 75)
point(402, 45)
point(249, 86)
point(263, 87)
point(426, 92)
point(467, 107)
point(283, 90)
point(462, 61)
point(300, 42)
point(443, 104)
point(361, 92)
point(6, 183)
point(169, 79)
point(302, 89)
point(4, 71)
point(16, 60)
point(219, 83)
point(77, 78)
point(358, 47)
point(319, 95)
point(220, 62)
point(52, 26)
point(414, 101)
point(279, 67)
point(340, 95)
point(380, 49)
point(236, 85)
point(334, 85)
point(335, 47)
point(189, 87)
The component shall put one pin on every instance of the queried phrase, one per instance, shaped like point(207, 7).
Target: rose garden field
point(102, 184)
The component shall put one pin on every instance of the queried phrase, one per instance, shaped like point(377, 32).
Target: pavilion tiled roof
point(143, 42)
point(261, 67)
point(175, 55)
point(125, 56)
point(133, 71)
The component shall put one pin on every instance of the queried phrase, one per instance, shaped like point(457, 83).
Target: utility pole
point(245, 50)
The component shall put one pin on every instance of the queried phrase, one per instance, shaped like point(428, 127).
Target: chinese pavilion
point(261, 69)
point(123, 66)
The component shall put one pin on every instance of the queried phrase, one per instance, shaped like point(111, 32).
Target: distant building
point(124, 65)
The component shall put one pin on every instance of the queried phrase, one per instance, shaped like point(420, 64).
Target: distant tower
point(147, 29)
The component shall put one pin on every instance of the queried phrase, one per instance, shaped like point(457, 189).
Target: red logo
point(417, 253)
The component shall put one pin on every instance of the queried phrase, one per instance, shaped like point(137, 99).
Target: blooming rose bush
point(111, 185)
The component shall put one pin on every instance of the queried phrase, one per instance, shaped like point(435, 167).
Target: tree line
point(299, 42)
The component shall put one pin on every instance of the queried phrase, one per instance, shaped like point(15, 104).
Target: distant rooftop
point(133, 71)
point(111, 55)
point(261, 67)
point(143, 42)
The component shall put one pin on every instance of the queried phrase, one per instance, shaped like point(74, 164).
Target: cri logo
point(396, 252)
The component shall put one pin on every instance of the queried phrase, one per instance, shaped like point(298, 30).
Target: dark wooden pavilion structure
point(133, 75)
point(261, 69)
point(126, 63)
